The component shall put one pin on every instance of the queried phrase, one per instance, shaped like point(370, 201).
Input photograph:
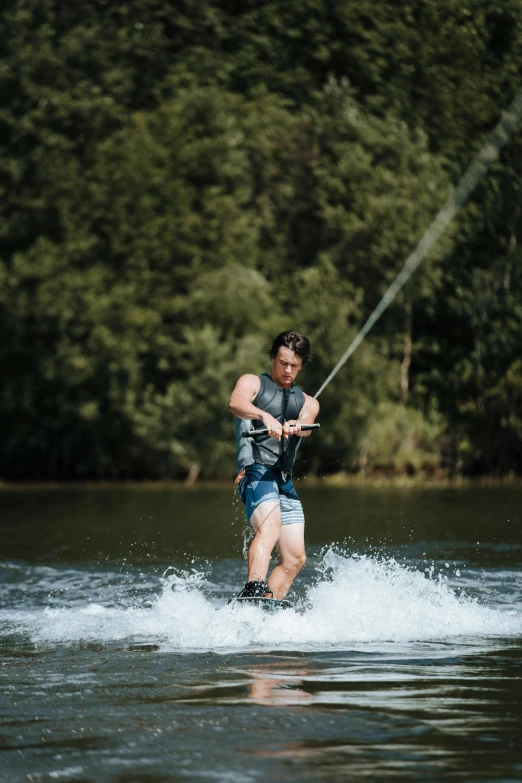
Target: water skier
point(264, 464)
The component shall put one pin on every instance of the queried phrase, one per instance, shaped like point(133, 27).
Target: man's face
point(285, 367)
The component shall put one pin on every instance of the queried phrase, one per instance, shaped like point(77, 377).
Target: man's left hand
point(292, 427)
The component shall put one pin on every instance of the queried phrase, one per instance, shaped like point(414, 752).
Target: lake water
point(121, 660)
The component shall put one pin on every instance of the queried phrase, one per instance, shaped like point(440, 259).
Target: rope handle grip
point(304, 428)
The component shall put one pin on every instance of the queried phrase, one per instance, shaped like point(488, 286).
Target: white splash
point(357, 599)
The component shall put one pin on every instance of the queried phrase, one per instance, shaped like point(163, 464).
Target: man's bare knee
point(293, 563)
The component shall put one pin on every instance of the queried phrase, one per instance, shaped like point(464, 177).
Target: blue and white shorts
point(260, 484)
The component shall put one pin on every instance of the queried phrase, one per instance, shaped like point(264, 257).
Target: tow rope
point(476, 171)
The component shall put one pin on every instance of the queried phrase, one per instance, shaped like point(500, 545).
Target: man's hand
point(292, 427)
point(308, 414)
point(273, 426)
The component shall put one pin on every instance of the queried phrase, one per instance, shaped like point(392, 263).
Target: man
point(264, 464)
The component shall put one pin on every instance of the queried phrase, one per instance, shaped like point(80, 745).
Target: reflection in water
point(279, 689)
point(402, 661)
point(411, 717)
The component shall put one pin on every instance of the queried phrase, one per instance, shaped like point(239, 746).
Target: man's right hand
point(273, 426)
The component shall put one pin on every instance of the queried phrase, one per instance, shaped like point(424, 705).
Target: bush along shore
point(183, 181)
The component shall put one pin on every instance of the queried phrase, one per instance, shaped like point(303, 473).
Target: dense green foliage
point(182, 181)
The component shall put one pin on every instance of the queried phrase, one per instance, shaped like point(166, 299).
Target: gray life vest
point(283, 405)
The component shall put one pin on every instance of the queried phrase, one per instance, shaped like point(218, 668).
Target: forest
point(182, 181)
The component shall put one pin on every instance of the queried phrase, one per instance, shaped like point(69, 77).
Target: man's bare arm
point(241, 398)
point(308, 415)
point(241, 405)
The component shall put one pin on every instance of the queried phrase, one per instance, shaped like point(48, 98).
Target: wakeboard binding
point(258, 593)
point(257, 588)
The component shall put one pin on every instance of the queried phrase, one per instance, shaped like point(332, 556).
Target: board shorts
point(260, 484)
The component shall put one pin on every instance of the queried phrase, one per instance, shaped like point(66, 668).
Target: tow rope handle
point(304, 428)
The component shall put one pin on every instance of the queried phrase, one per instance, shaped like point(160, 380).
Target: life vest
point(283, 405)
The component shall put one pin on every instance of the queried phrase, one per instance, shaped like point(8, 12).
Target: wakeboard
point(268, 604)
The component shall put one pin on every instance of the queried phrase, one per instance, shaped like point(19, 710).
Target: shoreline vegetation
point(182, 182)
point(335, 481)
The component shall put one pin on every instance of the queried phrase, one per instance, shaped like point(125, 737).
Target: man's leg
point(266, 522)
point(293, 557)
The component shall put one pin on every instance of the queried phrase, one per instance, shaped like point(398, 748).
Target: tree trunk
point(406, 361)
point(511, 248)
point(192, 475)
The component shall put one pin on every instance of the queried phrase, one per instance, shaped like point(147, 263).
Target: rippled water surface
point(122, 661)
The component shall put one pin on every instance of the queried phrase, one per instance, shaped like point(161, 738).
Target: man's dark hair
point(296, 342)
